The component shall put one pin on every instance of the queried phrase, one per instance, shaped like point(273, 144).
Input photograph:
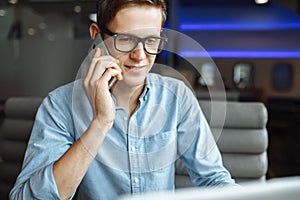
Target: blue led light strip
point(241, 54)
point(238, 26)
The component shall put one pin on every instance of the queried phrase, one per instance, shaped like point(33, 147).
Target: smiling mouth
point(134, 67)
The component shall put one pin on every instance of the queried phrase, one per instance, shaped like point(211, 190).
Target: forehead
point(141, 20)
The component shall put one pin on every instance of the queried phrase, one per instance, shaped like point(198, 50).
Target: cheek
point(151, 59)
point(121, 57)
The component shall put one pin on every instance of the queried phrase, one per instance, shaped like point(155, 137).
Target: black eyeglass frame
point(163, 40)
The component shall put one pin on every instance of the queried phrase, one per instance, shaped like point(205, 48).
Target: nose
point(138, 53)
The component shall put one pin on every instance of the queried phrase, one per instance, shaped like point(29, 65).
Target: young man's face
point(142, 22)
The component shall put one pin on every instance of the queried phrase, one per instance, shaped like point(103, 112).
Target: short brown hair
point(107, 9)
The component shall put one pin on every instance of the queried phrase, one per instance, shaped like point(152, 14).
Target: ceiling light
point(31, 31)
point(2, 12)
point(77, 9)
point(261, 1)
point(13, 1)
point(93, 17)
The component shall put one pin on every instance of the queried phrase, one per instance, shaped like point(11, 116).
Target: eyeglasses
point(127, 42)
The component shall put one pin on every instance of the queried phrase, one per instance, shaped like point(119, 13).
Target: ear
point(94, 29)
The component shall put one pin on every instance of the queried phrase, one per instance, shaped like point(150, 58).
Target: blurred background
point(254, 44)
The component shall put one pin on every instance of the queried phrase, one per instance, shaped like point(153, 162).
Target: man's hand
point(95, 84)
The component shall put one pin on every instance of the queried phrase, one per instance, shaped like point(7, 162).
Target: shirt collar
point(145, 93)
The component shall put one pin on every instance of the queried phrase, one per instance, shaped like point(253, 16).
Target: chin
point(135, 81)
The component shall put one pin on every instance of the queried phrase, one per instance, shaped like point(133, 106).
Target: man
point(134, 130)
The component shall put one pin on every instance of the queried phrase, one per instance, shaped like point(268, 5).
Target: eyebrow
point(109, 32)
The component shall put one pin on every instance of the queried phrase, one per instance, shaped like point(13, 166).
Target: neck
point(127, 97)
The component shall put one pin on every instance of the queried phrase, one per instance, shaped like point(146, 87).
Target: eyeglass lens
point(126, 43)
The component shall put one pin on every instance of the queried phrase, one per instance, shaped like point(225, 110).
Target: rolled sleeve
point(49, 140)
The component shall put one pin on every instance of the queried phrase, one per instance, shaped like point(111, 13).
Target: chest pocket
point(161, 149)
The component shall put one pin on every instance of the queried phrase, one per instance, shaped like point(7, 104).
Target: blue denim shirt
point(138, 153)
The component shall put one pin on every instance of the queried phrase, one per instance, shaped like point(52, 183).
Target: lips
point(134, 67)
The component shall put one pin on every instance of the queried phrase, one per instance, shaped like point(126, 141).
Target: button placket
point(136, 180)
point(133, 156)
point(133, 149)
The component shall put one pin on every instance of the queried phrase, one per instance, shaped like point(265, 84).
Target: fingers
point(103, 66)
point(109, 73)
point(99, 65)
point(93, 63)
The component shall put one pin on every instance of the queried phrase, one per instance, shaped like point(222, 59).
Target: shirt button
point(133, 149)
point(136, 180)
point(124, 118)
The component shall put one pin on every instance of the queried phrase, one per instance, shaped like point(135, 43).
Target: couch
point(243, 140)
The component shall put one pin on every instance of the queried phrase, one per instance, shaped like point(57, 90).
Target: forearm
point(70, 169)
point(39, 185)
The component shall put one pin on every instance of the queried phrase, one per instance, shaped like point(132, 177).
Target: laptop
point(273, 189)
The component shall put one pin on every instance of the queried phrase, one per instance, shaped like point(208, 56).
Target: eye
point(126, 38)
point(152, 41)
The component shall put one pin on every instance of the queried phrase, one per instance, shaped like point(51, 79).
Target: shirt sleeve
point(197, 147)
point(49, 140)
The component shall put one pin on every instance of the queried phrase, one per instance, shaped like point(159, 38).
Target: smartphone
point(98, 42)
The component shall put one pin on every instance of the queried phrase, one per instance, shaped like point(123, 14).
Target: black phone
point(98, 42)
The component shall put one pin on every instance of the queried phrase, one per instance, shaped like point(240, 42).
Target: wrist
point(100, 126)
